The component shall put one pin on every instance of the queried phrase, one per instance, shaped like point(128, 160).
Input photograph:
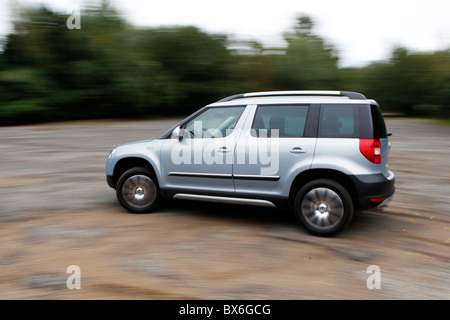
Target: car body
point(323, 154)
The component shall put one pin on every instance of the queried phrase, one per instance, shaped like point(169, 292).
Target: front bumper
point(110, 181)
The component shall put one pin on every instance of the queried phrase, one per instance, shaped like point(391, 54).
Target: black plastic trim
point(312, 122)
point(256, 177)
point(224, 176)
point(278, 201)
point(200, 175)
point(371, 186)
point(110, 181)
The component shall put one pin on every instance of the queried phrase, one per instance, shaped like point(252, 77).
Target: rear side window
point(379, 126)
point(289, 120)
point(338, 121)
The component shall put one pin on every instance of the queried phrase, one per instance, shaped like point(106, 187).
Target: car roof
point(298, 97)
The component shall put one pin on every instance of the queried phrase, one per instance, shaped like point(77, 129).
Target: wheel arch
point(313, 174)
point(131, 162)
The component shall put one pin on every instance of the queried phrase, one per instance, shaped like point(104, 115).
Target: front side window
point(287, 121)
point(214, 122)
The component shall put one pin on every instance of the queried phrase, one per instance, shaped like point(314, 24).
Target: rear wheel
point(138, 191)
point(324, 207)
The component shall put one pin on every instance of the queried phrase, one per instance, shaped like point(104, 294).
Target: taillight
point(371, 149)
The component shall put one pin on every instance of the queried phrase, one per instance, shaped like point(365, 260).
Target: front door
point(201, 162)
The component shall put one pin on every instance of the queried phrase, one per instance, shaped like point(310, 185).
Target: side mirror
point(177, 133)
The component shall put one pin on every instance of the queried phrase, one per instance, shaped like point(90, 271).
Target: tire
point(138, 191)
point(324, 207)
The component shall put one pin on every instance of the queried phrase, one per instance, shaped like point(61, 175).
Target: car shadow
point(371, 223)
point(253, 214)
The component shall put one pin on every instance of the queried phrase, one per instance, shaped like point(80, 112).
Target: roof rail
point(349, 94)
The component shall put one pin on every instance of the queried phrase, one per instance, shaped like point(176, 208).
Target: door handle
point(297, 150)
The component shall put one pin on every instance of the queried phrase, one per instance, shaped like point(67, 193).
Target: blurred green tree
point(410, 82)
point(309, 62)
point(111, 69)
point(197, 63)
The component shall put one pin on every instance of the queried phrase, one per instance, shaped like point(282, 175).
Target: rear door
point(278, 144)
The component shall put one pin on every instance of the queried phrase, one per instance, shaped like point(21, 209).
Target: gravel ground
point(56, 210)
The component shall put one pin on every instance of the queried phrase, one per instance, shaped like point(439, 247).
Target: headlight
point(112, 152)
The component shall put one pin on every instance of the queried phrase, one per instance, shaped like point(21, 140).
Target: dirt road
point(56, 210)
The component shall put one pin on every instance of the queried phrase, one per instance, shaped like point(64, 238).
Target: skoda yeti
point(322, 154)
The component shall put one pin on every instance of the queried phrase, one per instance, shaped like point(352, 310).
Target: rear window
point(338, 121)
point(379, 126)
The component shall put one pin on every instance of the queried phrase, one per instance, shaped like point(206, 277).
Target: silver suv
point(323, 154)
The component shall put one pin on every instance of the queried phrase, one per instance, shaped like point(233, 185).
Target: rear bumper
point(374, 190)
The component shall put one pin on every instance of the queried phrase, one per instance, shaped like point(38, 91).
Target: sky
point(361, 31)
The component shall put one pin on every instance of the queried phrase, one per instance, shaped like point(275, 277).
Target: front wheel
point(138, 191)
point(324, 207)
